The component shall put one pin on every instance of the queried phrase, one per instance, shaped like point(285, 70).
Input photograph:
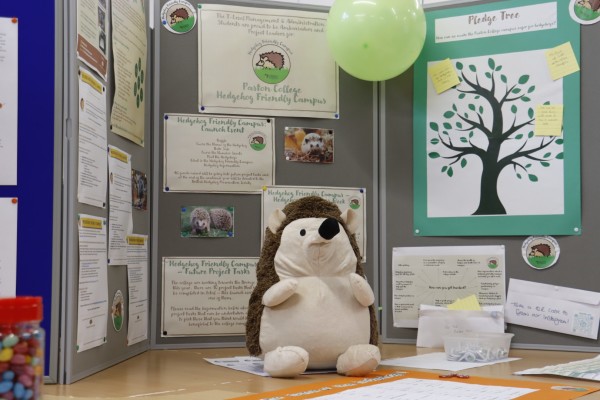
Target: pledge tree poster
point(484, 161)
point(259, 61)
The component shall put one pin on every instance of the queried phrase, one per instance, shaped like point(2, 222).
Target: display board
point(38, 183)
point(572, 269)
point(353, 167)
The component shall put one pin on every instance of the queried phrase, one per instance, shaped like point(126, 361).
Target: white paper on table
point(438, 361)
point(254, 365)
point(436, 322)
point(92, 303)
point(553, 308)
point(8, 247)
point(137, 283)
point(582, 369)
point(9, 84)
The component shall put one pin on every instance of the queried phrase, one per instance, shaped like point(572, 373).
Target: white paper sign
point(137, 283)
point(120, 208)
point(277, 197)
point(440, 275)
point(92, 303)
point(9, 83)
point(508, 21)
point(8, 247)
point(93, 23)
point(261, 61)
point(206, 296)
point(553, 308)
point(218, 153)
point(92, 166)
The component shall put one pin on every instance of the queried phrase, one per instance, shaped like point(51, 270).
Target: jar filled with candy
point(21, 348)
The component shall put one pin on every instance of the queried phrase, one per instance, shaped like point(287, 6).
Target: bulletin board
point(354, 166)
point(573, 268)
point(37, 189)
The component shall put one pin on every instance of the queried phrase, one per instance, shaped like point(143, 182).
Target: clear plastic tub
point(477, 347)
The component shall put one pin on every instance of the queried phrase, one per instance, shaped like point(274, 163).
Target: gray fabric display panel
point(354, 167)
point(78, 365)
point(575, 267)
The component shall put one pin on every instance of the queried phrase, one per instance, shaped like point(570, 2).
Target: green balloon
point(375, 40)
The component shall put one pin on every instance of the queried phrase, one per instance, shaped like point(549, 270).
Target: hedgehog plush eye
point(302, 232)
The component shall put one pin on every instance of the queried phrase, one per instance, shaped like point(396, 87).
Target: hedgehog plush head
point(306, 207)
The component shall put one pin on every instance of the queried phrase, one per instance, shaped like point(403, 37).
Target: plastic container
point(21, 348)
point(477, 347)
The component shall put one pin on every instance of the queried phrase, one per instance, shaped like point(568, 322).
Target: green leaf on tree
point(560, 156)
point(454, 107)
point(434, 126)
point(518, 175)
point(546, 103)
point(530, 134)
point(433, 154)
point(471, 134)
point(545, 164)
point(515, 90)
point(523, 79)
point(459, 125)
point(530, 112)
point(525, 99)
point(448, 114)
point(447, 125)
point(463, 162)
point(472, 68)
point(531, 89)
point(444, 168)
point(488, 75)
point(477, 97)
point(532, 178)
point(459, 65)
point(519, 136)
point(503, 78)
point(513, 109)
point(462, 96)
point(445, 133)
point(450, 172)
point(472, 107)
point(491, 63)
point(463, 139)
point(480, 109)
point(434, 141)
point(547, 155)
point(559, 141)
point(528, 166)
point(499, 67)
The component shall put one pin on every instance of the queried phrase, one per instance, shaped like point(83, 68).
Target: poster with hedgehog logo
point(259, 61)
point(483, 165)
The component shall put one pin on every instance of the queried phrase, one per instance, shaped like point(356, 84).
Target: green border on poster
point(567, 30)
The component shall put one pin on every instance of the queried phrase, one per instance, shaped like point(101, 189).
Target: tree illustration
point(489, 113)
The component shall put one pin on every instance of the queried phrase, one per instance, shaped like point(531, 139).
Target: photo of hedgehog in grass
point(207, 221)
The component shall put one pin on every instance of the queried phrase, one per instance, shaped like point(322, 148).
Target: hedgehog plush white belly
point(322, 317)
point(317, 314)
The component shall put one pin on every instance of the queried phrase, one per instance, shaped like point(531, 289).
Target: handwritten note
point(548, 120)
point(561, 61)
point(443, 76)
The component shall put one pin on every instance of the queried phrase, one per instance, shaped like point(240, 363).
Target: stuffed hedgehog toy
point(312, 307)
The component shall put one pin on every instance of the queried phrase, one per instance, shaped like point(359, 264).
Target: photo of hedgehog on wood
point(203, 221)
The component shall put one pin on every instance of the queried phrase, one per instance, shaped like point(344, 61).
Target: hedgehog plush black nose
point(329, 228)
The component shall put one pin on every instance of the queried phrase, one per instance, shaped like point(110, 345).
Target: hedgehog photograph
point(308, 144)
point(312, 307)
point(207, 221)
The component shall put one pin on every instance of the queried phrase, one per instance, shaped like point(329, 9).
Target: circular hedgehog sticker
point(585, 12)
point(540, 252)
point(354, 203)
point(271, 64)
point(258, 141)
point(178, 16)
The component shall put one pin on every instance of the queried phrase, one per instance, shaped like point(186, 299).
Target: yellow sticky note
point(561, 61)
point(443, 75)
point(548, 120)
point(468, 303)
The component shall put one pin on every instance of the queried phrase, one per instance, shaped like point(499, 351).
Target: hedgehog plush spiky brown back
point(306, 207)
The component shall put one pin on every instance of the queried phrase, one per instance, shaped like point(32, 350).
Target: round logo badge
point(118, 310)
point(585, 12)
point(178, 16)
point(258, 141)
point(540, 252)
point(271, 64)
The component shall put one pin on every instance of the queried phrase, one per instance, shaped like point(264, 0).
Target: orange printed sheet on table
point(543, 391)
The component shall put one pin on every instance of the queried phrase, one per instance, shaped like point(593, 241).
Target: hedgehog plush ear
point(275, 220)
point(350, 217)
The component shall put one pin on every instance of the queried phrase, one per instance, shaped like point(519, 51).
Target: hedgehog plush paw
point(286, 362)
point(359, 360)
